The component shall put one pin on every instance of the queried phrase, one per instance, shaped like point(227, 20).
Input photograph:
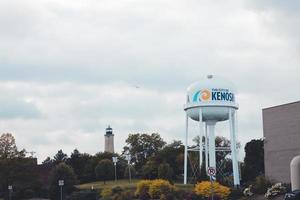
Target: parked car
point(295, 195)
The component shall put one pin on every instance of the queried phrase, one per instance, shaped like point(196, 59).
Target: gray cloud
point(16, 108)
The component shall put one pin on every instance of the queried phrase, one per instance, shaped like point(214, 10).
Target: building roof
point(286, 104)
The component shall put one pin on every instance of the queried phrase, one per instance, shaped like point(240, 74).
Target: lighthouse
point(109, 140)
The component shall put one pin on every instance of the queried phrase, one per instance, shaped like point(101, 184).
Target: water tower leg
point(206, 148)
point(186, 149)
point(235, 167)
point(200, 142)
point(212, 144)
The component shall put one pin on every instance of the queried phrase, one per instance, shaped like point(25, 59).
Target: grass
point(124, 183)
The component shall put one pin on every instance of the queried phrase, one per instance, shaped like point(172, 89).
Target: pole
point(61, 196)
point(235, 168)
point(206, 147)
point(115, 172)
point(200, 142)
point(211, 188)
point(212, 145)
point(186, 149)
point(129, 172)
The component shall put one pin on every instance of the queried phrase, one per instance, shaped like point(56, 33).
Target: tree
point(105, 170)
point(254, 160)
point(60, 157)
point(78, 161)
point(149, 170)
point(143, 146)
point(8, 147)
point(61, 172)
point(171, 154)
point(15, 168)
point(165, 171)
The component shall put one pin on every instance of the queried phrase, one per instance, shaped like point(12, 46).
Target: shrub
point(235, 193)
point(153, 188)
point(142, 187)
point(84, 194)
point(116, 190)
point(106, 192)
point(159, 187)
point(204, 189)
point(125, 195)
point(261, 185)
point(144, 195)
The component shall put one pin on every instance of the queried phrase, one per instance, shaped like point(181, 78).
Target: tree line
point(151, 157)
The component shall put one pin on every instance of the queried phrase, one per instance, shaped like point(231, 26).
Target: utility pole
point(61, 184)
point(128, 158)
point(10, 188)
point(115, 160)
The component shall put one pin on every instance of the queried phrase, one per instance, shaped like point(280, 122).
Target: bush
point(106, 192)
point(159, 187)
point(125, 195)
point(204, 189)
point(116, 190)
point(84, 194)
point(261, 185)
point(142, 187)
point(235, 193)
point(153, 188)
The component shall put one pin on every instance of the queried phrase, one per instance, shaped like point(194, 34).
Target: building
point(281, 126)
point(109, 140)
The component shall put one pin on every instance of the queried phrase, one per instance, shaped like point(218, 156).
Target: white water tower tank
point(214, 95)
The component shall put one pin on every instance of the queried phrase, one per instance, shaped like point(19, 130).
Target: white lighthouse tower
point(109, 140)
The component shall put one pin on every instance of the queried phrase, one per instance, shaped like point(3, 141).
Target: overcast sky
point(68, 68)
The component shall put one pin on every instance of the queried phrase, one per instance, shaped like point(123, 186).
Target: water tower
point(209, 101)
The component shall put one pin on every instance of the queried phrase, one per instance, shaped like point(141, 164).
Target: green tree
point(62, 171)
point(59, 157)
point(105, 170)
point(149, 170)
point(254, 160)
point(171, 154)
point(143, 146)
point(15, 168)
point(165, 171)
point(78, 161)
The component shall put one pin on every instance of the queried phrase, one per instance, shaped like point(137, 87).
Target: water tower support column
point(235, 167)
point(212, 144)
point(200, 142)
point(206, 148)
point(186, 148)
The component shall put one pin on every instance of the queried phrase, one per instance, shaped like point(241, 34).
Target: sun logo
point(205, 95)
point(202, 95)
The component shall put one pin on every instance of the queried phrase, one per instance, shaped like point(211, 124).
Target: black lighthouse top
point(108, 131)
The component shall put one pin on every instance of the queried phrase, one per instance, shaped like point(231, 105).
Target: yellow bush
point(159, 187)
point(153, 188)
point(141, 186)
point(106, 192)
point(204, 189)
